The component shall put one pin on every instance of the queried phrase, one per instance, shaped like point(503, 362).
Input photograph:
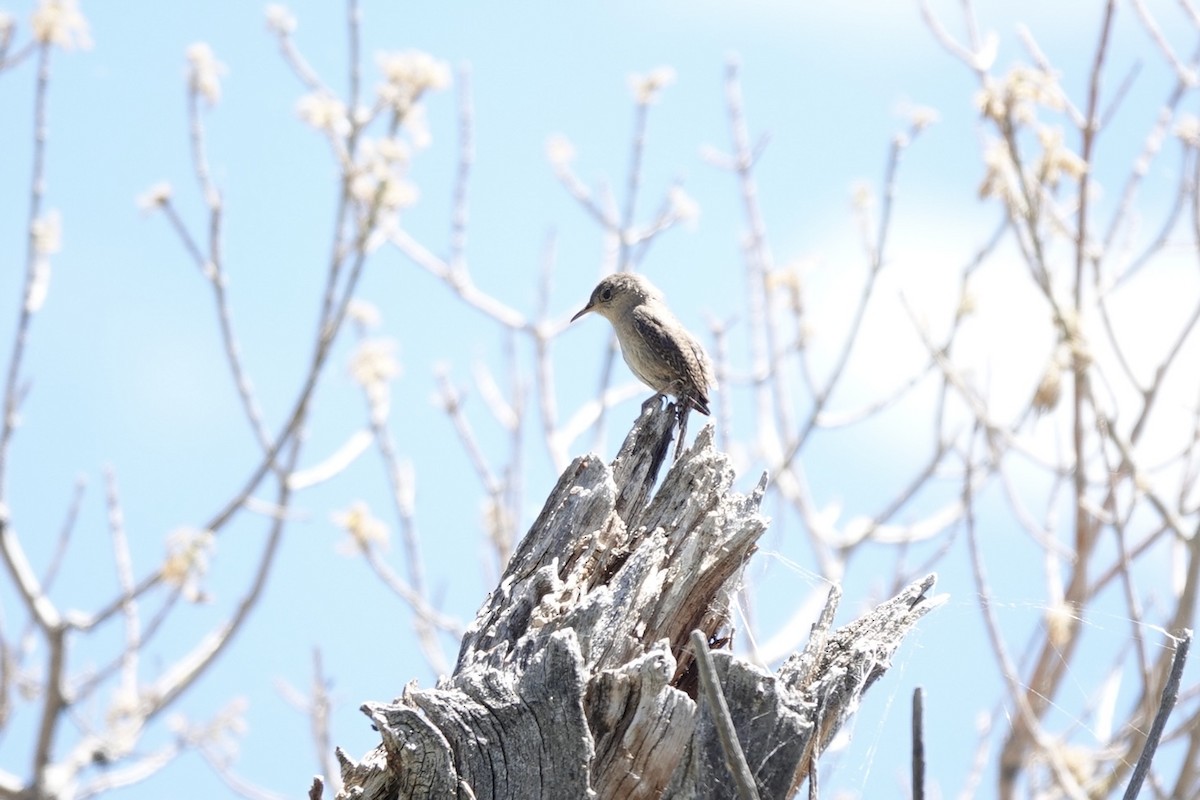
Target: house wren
point(659, 350)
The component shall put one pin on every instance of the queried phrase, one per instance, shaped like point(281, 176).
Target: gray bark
point(576, 679)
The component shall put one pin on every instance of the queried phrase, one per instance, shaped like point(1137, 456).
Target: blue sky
point(127, 369)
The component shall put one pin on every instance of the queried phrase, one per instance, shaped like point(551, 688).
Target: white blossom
point(374, 362)
point(364, 528)
point(324, 112)
point(416, 122)
point(406, 488)
point(155, 197)
point(1002, 180)
point(862, 198)
point(559, 150)
point(1187, 129)
point(409, 74)
point(392, 192)
point(1016, 97)
point(1057, 160)
point(39, 287)
point(985, 56)
point(46, 232)
point(921, 117)
point(1060, 620)
point(380, 175)
point(187, 561)
point(59, 22)
point(280, 19)
point(365, 314)
point(646, 88)
point(392, 151)
point(204, 72)
point(683, 206)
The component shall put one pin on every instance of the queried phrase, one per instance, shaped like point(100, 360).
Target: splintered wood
point(576, 679)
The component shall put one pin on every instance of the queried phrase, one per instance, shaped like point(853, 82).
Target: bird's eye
point(606, 294)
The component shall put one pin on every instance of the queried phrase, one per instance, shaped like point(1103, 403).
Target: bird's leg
point(680, 409)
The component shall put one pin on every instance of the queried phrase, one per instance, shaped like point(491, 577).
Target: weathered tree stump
point(576, 679)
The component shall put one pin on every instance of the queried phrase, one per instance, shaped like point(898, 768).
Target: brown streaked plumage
point(657, 348)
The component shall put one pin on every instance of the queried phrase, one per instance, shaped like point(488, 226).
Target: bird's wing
point(682, 355)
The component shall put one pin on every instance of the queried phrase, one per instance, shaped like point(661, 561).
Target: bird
point(655, 345)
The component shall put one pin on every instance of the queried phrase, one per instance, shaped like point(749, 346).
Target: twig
point(211, 267)
point(600, 426)
point(828, 420)
point(633, 182)
point(543, 364)
point(459, 280)
point(1044, 64)
point(37, 183)
point(770, 393)
point(353, 54)
point(40, 608)
point(724, 409)
point(643, 237)
point(918, 744)
point(466, 157)
point(1025, 723)
point(582, 195)
point(145, 767)
point(26, 50)
point(319, 713)
point(1170, 694)
point(1186, 74)
point(979, 764)
point(238, 785)
point(331, 324)
point(452, 403)
point(82, 689)
point(971, 59)
point(412, 546)
point(406, 593)
point(504, 533)
point(1120, 94)
point(185, 671)
point(821, 395)
point(124, 565)
point(722, 722)
point(1182, 195)
point(64, 536)
point(1141, 166)
point(1128, 462)
point(303, 71)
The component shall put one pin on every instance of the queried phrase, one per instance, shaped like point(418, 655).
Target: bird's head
point(618, 292)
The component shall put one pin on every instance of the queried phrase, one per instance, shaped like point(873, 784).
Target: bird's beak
point(582, 311)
